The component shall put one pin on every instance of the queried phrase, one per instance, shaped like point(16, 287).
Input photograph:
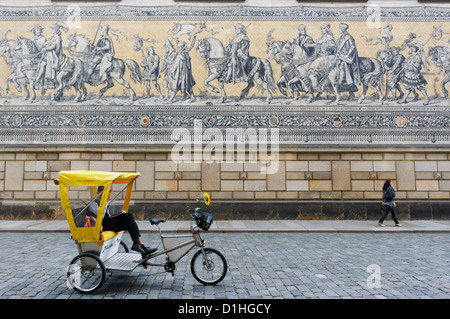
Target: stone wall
point(330, 181)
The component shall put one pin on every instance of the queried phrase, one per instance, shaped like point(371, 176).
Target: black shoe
point(138, 248)
point(147, 250)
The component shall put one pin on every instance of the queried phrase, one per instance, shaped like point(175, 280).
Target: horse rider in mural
point(52, 57)
point(304, 40)
point(326, 44)
point(102, 56)
point(38, 39)
point(348, 59)
point(238, 49)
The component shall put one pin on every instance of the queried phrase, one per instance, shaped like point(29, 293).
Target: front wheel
point(210, 267)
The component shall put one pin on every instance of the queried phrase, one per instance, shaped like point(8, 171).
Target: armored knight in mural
point(233, 64)
point(326, 44)
point(52, 57)
point(238, 49)
point(103, 65)
point(102, 56)
point(347, 59)
point(412, 78)
point(151, 70)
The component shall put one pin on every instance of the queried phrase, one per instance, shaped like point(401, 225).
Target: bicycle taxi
point(99, 250)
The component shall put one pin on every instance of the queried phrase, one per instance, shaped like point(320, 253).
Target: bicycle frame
point(176, 246)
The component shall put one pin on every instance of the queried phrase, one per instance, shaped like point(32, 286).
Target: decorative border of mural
point(304, 126)
point(232, 12)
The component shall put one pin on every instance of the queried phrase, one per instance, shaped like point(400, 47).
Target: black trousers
point(122, 222)
point(388, 209)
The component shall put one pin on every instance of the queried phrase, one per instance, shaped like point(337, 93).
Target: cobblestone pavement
point(261, 265)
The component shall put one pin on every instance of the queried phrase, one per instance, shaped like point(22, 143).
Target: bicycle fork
point(199, 242)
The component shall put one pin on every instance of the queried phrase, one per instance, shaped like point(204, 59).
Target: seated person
point(120, 222)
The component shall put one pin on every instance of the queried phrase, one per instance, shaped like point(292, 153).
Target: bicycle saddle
point(156, 221)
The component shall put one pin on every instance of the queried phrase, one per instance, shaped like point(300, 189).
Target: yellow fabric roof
point(94, 178)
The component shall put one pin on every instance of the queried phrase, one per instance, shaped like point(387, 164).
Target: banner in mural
point(131, 74)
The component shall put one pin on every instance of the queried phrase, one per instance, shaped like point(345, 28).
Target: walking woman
point(388, 203)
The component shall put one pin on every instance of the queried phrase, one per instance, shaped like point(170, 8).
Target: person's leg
point(383, 217)
point(135, 235)
point(394, 218)
point(132, 227)
point(127, 222)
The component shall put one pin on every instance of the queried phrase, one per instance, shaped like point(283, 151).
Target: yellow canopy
point(92, 179)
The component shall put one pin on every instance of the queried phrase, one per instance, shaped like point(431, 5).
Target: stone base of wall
point(312, 183)
point(247, 210)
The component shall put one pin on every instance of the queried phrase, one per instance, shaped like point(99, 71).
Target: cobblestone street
point(275, 265)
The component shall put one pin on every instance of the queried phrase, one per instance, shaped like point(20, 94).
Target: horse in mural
point(295, 64)
point(11, 55)
point(24, 68)
point(325, 71)
point(440, 56)
point(303, 73)
point(217, 59)
point(81, 49)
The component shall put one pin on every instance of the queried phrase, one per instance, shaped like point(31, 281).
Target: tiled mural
point(125, 75)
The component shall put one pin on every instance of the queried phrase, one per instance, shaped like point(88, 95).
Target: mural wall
point(120, 75)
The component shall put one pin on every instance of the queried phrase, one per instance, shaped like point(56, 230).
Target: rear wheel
point(209, 268)
point(123, 247)
point(86, 273)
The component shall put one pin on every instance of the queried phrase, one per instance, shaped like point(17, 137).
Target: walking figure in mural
point(52, 58)
point(168, 60)
point(347, 60)
point(392, 61)
point(179, 75)
point(181, 78)
point(151, 70)
point(225, 68)
point(412, 78)
point(103, 66)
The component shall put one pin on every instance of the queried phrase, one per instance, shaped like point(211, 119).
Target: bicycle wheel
point(209, 269)
point(86, 273)
point(124, 247)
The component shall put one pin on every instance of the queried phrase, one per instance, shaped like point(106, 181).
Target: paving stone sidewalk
point(278, 226)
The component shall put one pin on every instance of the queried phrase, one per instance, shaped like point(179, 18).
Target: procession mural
point(237, 70)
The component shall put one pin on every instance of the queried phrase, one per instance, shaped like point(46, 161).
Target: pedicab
point(102, 252)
